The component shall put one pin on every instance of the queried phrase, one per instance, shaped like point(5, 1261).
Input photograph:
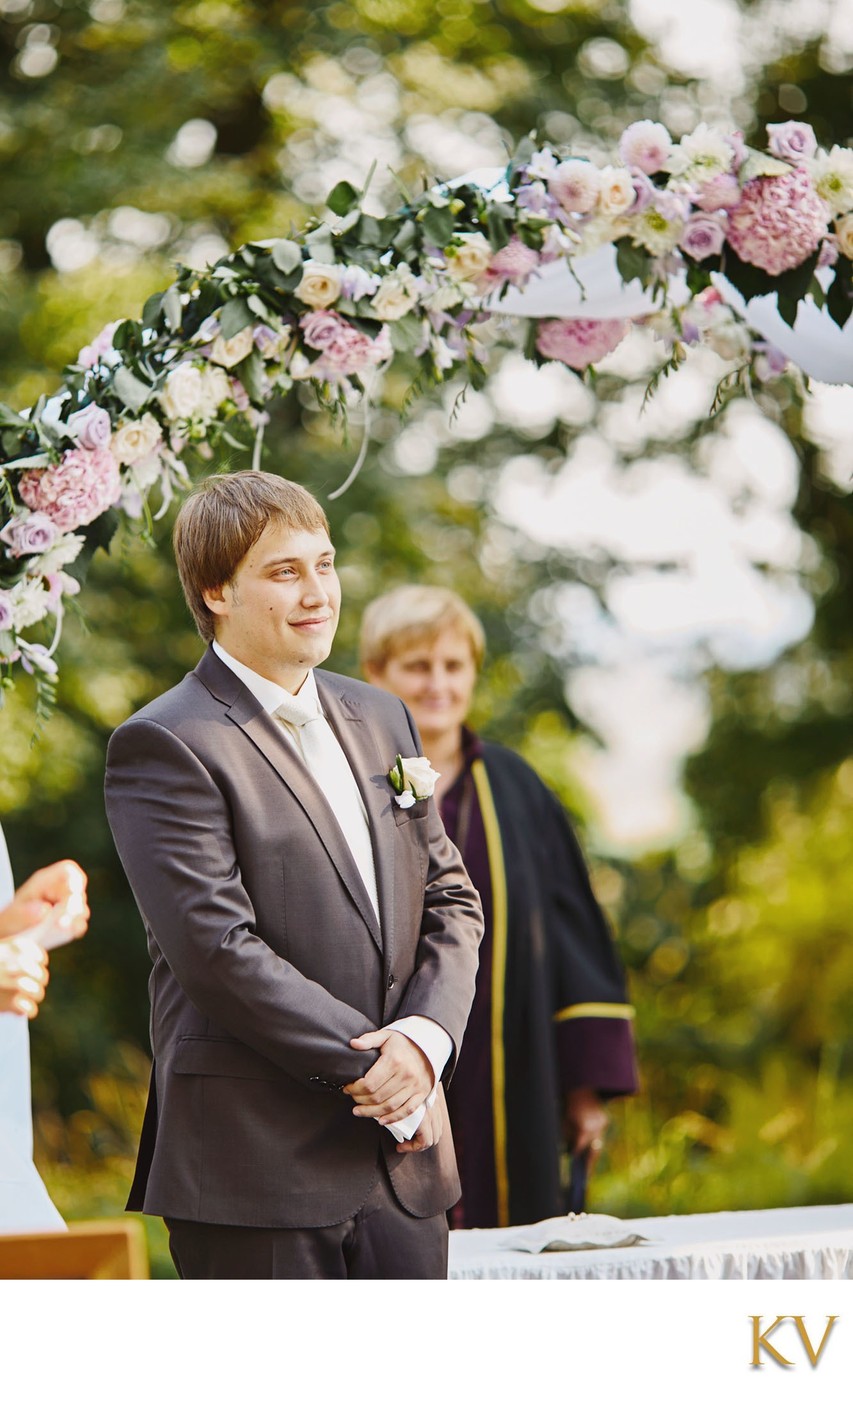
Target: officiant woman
point(550, 1036)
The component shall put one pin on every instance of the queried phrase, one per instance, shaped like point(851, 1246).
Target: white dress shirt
point(351, 815)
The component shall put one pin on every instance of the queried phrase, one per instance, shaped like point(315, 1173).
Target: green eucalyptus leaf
point(234, 316)
point(406, 333)
point(343, 198)
point(133, 392)
point(126, 336)
point(632, 262)
point(405, 236)
point(437, 226)
point(151, 311)
point(172, 308)
point(839, 297)
point(31, 461)
point(286, 255)
point(498, 229)
point(250, 373)
point(758, 163)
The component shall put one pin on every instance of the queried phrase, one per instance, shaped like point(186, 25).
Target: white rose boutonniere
point(412, 779)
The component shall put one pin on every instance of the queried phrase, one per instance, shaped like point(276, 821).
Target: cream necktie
point(325, 759)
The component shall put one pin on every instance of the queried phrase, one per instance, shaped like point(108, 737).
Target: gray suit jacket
point(268, 957)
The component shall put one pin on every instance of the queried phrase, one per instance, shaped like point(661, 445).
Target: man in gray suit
point(313, 934)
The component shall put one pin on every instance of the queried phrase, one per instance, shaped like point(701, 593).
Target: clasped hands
point(399, 1082)
point(23, 962)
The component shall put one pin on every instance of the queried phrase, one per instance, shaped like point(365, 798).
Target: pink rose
point(91, 427)
point(703, 237)
point(791, 141)
point(75, 491)
point(345, 351)
point(579, 342)
point(30, 535)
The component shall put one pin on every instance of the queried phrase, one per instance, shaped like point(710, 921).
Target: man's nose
point(315, 591)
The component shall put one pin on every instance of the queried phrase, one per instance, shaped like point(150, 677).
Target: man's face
point(279, 613)
point(435, 679)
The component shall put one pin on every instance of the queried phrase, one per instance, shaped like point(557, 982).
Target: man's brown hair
point(223, 518)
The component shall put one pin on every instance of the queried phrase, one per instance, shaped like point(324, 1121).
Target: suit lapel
point(243, 709)
point(347, 719)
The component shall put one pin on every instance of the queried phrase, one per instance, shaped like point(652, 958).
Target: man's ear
point(373, 674)
point(216, 600)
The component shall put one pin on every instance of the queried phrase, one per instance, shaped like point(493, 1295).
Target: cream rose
point(231, 351)
point(395, 296)
point(844, 235)
point(216, 387)
point(183, 395)
point(616, 192)
point(135, 439)
point(320, 284)
point(468, 260)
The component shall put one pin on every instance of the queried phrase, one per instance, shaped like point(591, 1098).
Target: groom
point(314, 943)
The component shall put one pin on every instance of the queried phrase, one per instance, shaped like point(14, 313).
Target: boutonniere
point(412, 779)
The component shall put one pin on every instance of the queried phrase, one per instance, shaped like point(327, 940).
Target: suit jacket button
point(391, 982)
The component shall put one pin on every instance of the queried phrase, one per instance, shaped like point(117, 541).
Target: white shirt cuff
point(436, 1043)
point(405, 1129)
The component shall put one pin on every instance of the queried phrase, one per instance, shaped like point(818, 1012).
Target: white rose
point(135, 439)
point(395, 296)
point(231, 351)
point(418, 776)
point(216, 387)
point(320, 284)
point(617, 193)
point(183, 395)
point(844, 235)
point(470, 258)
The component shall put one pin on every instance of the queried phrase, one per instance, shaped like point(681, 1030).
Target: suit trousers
point(381, 1240)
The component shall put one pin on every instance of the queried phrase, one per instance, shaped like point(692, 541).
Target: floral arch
point(705, 241)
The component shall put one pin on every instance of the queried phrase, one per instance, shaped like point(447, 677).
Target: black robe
point(550, 1013)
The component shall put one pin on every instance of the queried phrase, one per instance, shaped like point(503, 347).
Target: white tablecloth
point(814, 1241)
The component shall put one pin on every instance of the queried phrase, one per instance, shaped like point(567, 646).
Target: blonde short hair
point(415, 614)
point(222, 518)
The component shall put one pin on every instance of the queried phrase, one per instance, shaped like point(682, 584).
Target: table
point(814, 1241)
